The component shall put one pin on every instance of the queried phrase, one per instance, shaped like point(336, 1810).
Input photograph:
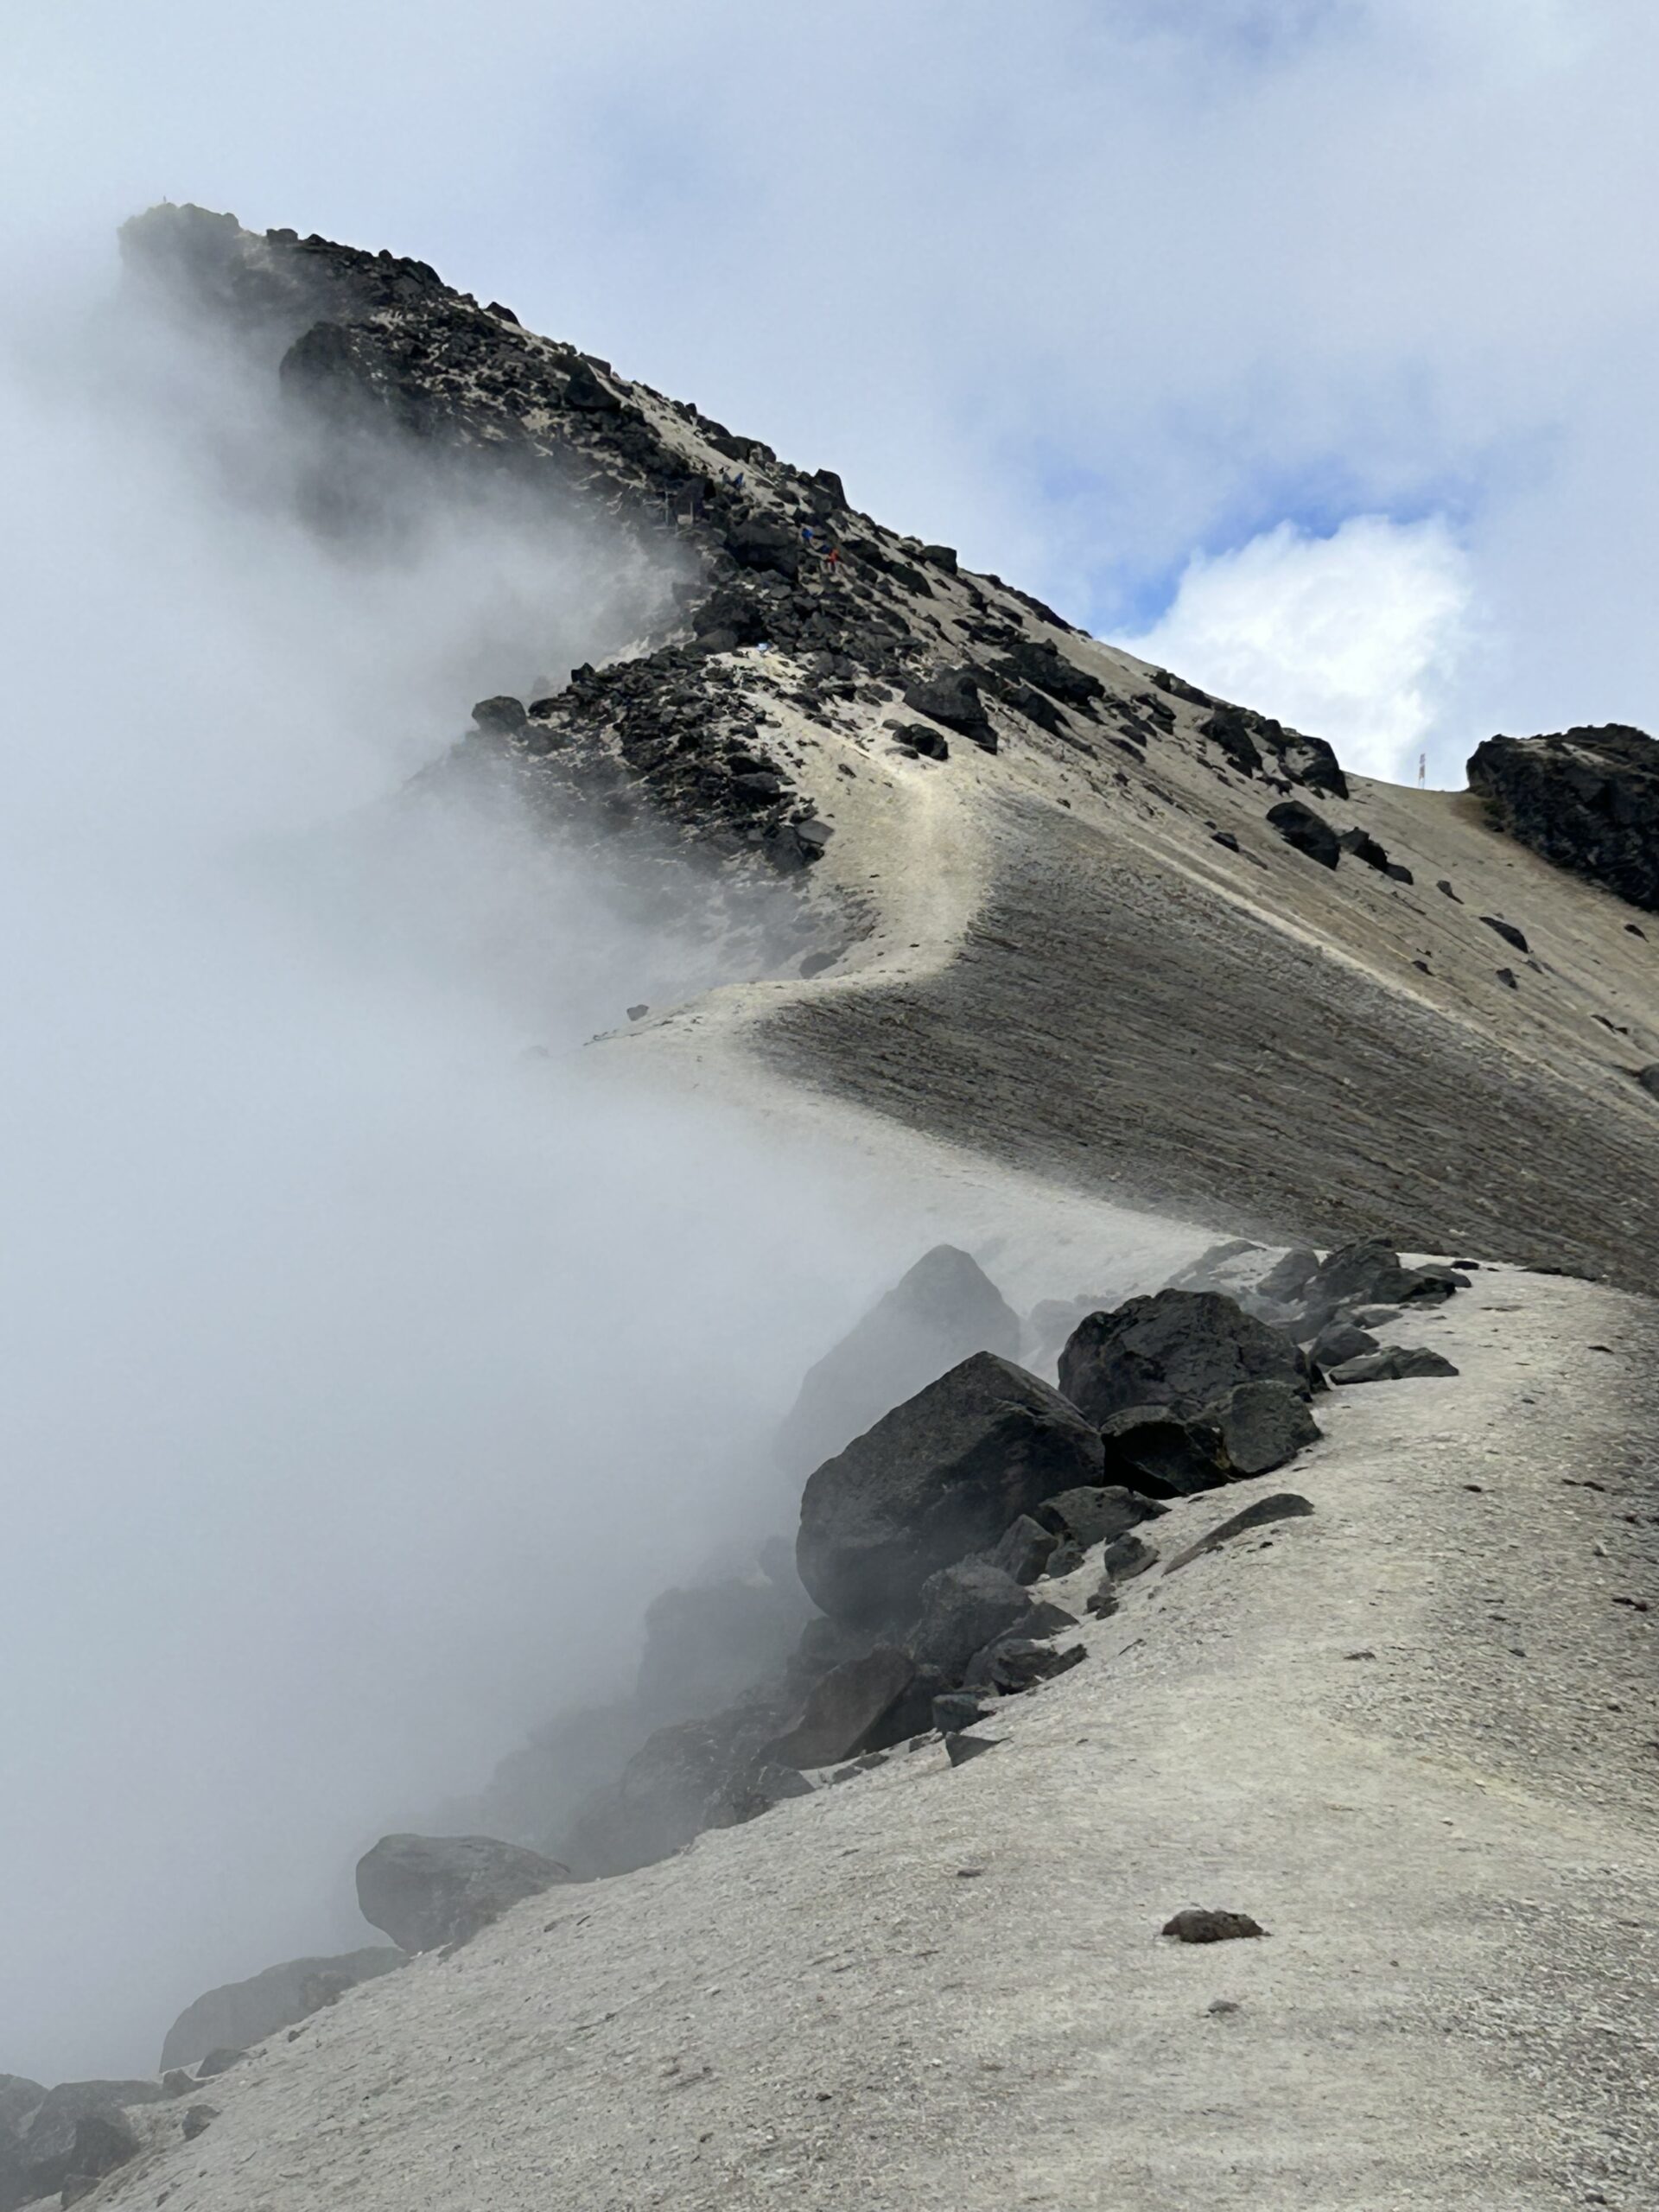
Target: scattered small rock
point(1203, 1925)
point(960, 1749)
point(1283, 1505)
point(1399, 1364)
point(1130, 1556)
point(198, 2118)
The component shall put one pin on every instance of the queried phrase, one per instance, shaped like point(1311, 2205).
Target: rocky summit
point(1178, 1727)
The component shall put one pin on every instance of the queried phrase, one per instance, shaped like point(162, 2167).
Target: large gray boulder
point(1262, 1426)
point(425, 1891)
point(1586, 799)
point(943, 1309)
point(1181, 1348)
point(845, 1709)
point(242, 2013)
point(965, 1608)
point(37, 2154)
point(939, 1476)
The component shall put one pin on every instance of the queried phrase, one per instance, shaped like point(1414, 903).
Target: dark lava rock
point(1364, 847)
point(963, 1608)
point(1262, 1426)
point(1224, 837)
point(756, 543)
point(43, 2145)
point(1338, 1341)
point(1104, 1602)
point(584, 390)
point(1130, 1556)
point(1291, 1276)
point(943, 1309)
point(1202, 1924)
point(1016, 1663)
point(1156, 1452)
point(1098, 1516)
point(1283, 1505)
point(939, 1476)
point(1399, 1364)
point(951, 696)
point(426, 1890)
point(198, 2118)
point(1229, 727)
point(1024, 1549)
point(1508, 977)
point(1370, 1273)
point(1587, 799)
point(706, 1645)
point(1305, 831)
point(502, 714)
point(845, 1709)
point(1508, 931)
point(244, 2012)
point(1180, 1348)
point(955, 1710)
point(1648, 1078)
point(960, 1749)
point(1445, 884)
point(918, 737)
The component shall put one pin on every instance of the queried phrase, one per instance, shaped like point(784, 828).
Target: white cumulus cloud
point(1355, 637)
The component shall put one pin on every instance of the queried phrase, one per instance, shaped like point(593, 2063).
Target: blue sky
point(1090, 289)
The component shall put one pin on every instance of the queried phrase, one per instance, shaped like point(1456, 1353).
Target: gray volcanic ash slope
point(1064, 908)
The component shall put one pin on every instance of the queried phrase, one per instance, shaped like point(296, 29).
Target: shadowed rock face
point(244, 2012)
point(938, 1477)
point(425, 1891)
point(1587, 799)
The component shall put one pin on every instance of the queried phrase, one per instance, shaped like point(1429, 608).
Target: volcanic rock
point(1586, 799)
point(952, 698)
point(1014, 1663)
point(1097, 1515)
point(39, 2149)
point(427, 1890)
point(1180, 1349)
point(1305, 831)
point(1156, 1452)
point(1199, 1924)
point(1399, 1364)
point(963, 1608)
point(1338, 1341)
point(845, 1708)
point(939, 1476)
point(242, 2013)
point(1262, 1425)
point(1024, 1548)
point(1283, 1505)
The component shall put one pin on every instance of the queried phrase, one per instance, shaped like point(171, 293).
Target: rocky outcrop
point(242, 2013)
point(1180, 1349)
point(1587, 799)
point(939, 1476)
point(427, 1891)
point(938, 1314)
point(77, 2129)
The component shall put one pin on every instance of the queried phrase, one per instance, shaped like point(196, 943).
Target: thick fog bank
point(365, 1369)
